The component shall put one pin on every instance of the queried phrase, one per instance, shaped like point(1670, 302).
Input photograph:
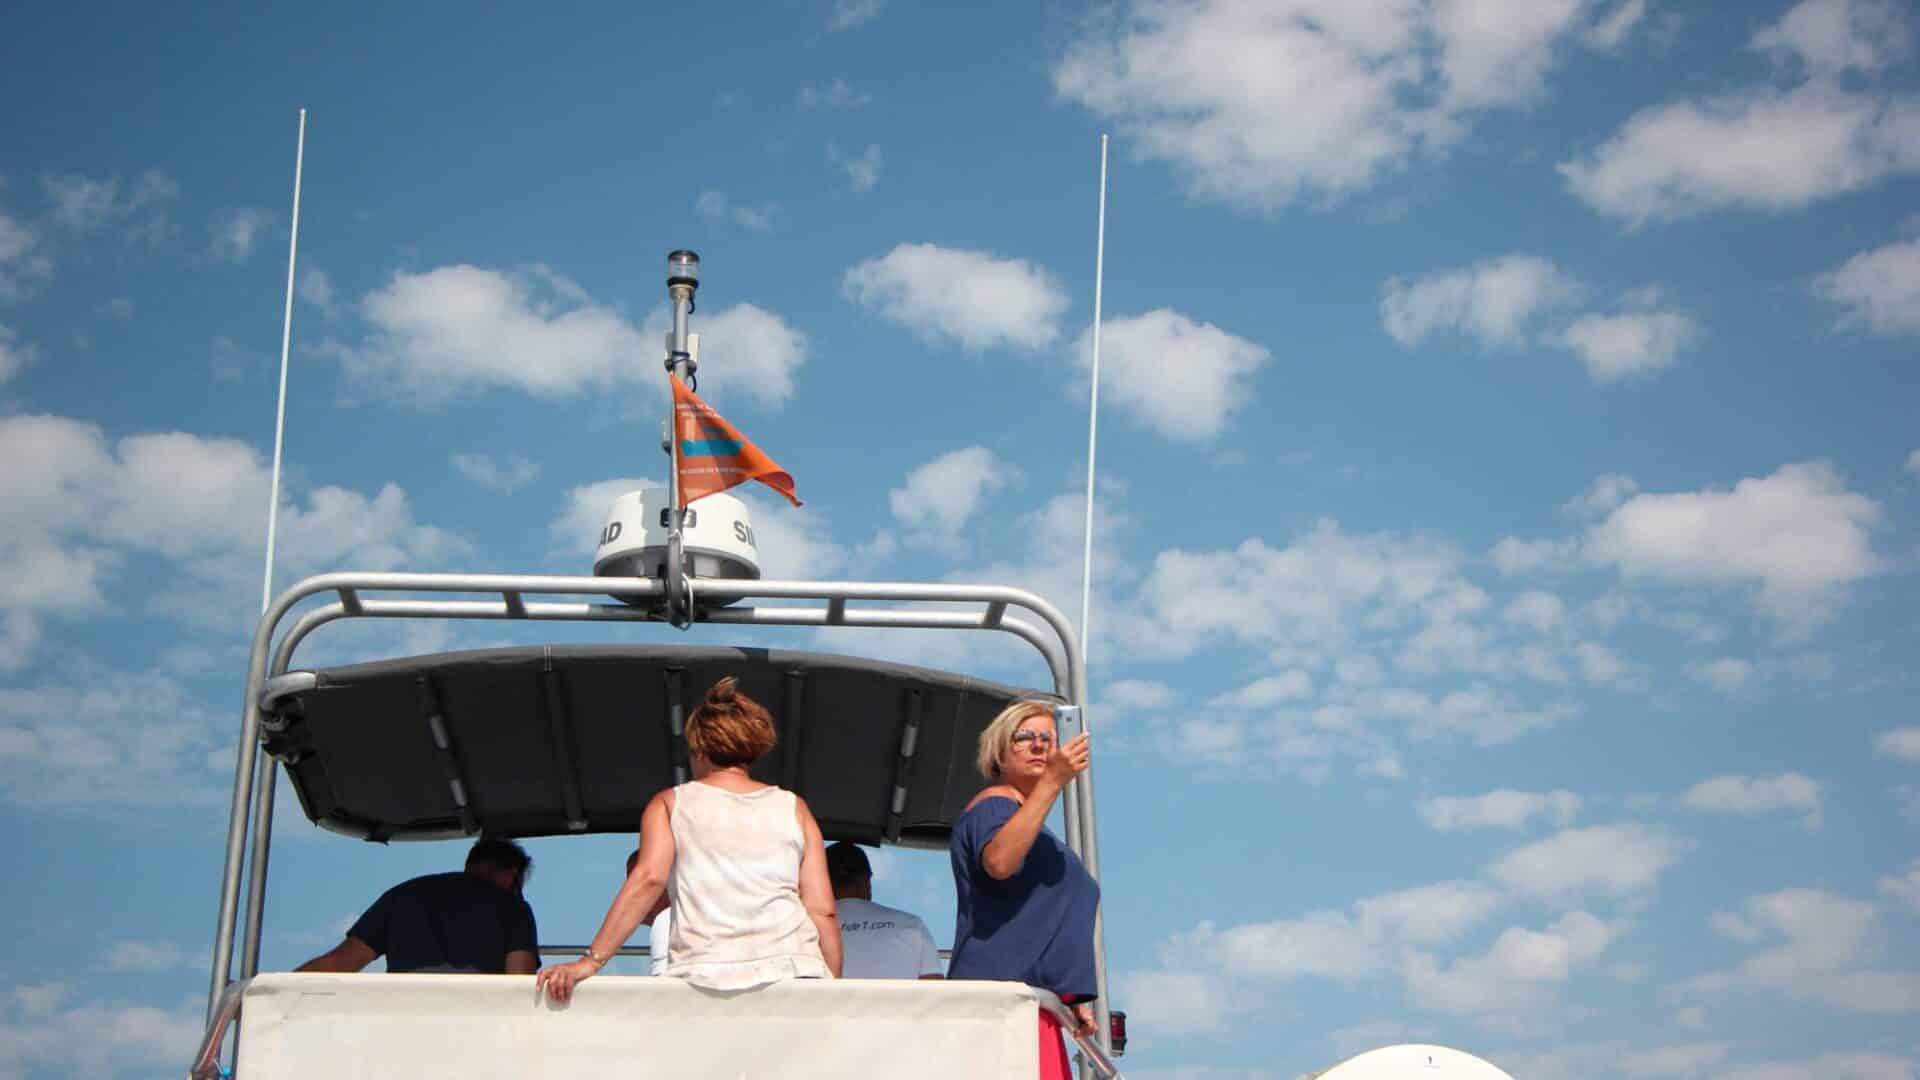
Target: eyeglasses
point(1027, 735)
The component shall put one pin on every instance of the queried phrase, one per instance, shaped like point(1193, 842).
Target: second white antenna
point(1093, 413)
point(286, 339)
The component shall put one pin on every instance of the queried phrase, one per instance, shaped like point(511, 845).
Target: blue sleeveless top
point(1035, 927)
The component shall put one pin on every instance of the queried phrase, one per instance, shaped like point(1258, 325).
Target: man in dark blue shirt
point(473, 921)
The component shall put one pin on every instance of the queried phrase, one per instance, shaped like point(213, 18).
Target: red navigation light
point(1117, 1031)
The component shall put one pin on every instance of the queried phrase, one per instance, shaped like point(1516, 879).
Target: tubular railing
point(206, 1063)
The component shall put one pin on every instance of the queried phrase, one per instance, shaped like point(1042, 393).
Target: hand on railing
point(1082, 1031)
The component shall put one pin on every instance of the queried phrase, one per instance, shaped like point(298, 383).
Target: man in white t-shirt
point(878, 942)
point(660, 927)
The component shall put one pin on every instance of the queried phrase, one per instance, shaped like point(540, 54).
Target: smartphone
point(1067, 723)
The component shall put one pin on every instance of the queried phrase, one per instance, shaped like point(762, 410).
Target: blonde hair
point(999, 734)
point(730, 728)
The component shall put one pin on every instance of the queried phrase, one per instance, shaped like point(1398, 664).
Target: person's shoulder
point(905, 918)
point(429, 883)
point(993, 800)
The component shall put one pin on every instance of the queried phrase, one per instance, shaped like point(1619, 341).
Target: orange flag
point(714, 456)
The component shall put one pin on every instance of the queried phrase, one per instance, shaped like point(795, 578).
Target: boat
point(567, 740)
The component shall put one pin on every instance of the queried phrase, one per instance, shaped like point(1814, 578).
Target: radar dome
point(718, 537)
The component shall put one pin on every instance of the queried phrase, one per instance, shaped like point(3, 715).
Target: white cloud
point(1359, 669)
point(1141, 694)
point(584, 512)
point(1684, 1060)
point(1613, 860)
point(1831, 37)
point(1501, 302)
point(1609, 490)
point(1335, 944)
point(1267, 692)
point(1490, 717)
point(794, 542)
point(1503, 809)
point(1495, 301)
point(1315, 591)
point(22, 268)
point(1906, 887)
point(1516, 975)
point(1913, 462)
point(1498, 54)
point(1191, 400)
point(1628, 345)
point(1727, 674)
point(14, 358)
point(838, 94)
point(862, 169)
point(1178, 1002)
point(1765, 150)
point(233, 233)
point(496, 474)
point(1258, 103)
point(971, 298)
point(119, 741)
point(316, 288)
point(1798, 534)
point(848, 14)
point(1827, 941)
point(1611, 31)
point(80, 507)
point(152, 956)
point(745, 351)
point(1879, 288)
point(1902, 743)
point(1863, 1066)
point(464, 328)
point(941, 497)
point(716, 206)
point(41, 1035)
point(1602, 666)
point(87, 205)
point(1513, 556)
point(1748, 795)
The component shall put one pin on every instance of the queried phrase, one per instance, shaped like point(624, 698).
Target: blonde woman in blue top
point(1025, 903)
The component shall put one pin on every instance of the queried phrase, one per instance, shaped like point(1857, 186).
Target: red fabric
point(1053, 1050)
point(714, 456)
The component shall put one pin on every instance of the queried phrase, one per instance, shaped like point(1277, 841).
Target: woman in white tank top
point(742, 863)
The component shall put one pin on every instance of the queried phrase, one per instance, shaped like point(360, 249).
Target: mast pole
point(683, 277)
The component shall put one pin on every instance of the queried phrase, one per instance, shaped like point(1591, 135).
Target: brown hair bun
point(729, 728)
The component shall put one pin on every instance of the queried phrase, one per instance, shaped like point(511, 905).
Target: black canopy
point(553, 740)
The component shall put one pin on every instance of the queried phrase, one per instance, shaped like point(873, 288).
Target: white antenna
point(286, 338)
point(1093, 413)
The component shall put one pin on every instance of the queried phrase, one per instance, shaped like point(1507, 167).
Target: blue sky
point(1505, 619)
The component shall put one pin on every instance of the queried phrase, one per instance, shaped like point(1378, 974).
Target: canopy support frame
point(1054, 638)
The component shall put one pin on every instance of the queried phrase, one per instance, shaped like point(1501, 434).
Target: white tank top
point(735, 889)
